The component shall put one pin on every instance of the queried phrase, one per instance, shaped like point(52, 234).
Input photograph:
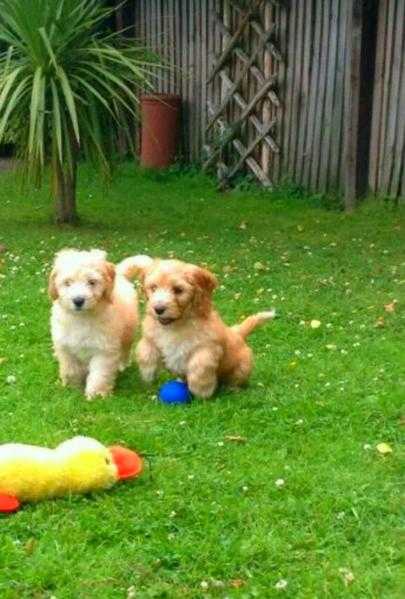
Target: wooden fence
point(340, 124)
point(387, 150)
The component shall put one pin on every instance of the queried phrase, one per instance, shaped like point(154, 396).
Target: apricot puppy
point(93, 319)
point(182, 330)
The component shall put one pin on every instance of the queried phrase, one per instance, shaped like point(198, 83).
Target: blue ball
point(174, 392)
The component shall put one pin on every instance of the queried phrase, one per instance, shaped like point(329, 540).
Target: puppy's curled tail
point(251, 322)
point(134, 266)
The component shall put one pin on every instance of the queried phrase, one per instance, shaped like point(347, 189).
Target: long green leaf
point(118, 82)
point(40, 137)
point(48, 46)
point(57, 122)
point(110, 90)
point(94, 92)
point(35, 103)
point(14, 99)
point(70, 101)
point(8, 85)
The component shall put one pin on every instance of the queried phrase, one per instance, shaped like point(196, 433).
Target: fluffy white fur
point(93, 319)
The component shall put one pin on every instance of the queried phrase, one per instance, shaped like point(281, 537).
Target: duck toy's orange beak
point(129, 464)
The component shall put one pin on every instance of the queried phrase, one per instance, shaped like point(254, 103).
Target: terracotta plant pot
point(160, 119)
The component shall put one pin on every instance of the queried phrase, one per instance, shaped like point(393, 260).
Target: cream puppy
point(183, 331)
point(93, 319)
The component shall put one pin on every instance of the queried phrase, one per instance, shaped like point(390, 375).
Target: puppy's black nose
point(78, 301)
point(159, 309)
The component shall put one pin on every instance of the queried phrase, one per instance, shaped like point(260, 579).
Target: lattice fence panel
point(241, 130)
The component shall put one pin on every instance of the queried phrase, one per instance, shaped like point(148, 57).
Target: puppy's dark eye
point(153, 288)
point(178, 290)
point(92, 282)
point(67, 283)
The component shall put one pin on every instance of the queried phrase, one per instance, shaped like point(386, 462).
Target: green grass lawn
point(208, 518)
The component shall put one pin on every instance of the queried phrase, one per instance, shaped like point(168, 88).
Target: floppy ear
point(57, 263)
point(52, 290)
point(136, 266)
point(204, 282)
point(204, 279)
point(109, 278)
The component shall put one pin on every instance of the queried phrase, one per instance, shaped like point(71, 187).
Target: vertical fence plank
point(336, 138)
point(313, 92)
point(282, 36)
point(177, 44)
point(185, 76)
point(331, 69)
point(152, 24)
point(394, 109)
point(267, 71)
point(169, 35)
point(398, 151)
point(162, 41)
point(355, 18)
point(378, 96)
point(163, 23)
point(191, 75)
point(386, 94)
point(197, 17)
point(205, 17)
point(296, 107)
point(320, 101)
point(304, 89)
point(289, 86)
point(276, 114)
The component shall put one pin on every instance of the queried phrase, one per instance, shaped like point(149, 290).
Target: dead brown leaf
point(237, 583)
point(259, 266)
point(30, 546)
point(347, 575)
point(236, 438)
point(390, 308)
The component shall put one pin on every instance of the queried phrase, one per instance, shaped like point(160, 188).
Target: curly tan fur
point(182, 330)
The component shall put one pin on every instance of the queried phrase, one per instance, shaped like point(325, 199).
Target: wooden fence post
point(361, 47)
point(354, 28)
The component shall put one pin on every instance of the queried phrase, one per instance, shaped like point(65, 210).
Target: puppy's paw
point(72, 380)
point(202, 390)
point(95, 392)
point(148, 374)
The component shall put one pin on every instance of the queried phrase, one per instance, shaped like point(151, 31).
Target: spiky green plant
point(67, 86)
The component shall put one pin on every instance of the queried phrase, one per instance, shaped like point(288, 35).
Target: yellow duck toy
point(80, 465)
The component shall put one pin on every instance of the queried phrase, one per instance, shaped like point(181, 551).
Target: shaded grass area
point(208, 518)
